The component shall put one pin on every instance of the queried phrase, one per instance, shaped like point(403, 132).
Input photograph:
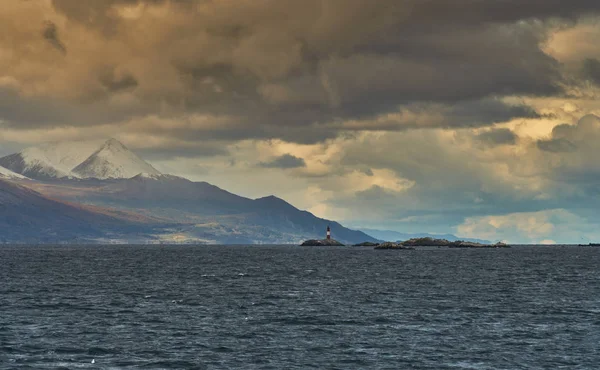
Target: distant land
point(389, 235)
point(29, 217)
point(103, 192)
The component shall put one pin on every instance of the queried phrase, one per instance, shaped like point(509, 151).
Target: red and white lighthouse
point(328, 232)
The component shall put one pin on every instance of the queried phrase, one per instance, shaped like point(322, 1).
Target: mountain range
point(77, 160)
point(110, 193)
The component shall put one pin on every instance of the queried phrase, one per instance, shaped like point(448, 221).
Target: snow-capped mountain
point(7, 174)
point(50, 160)
point(33, 163)
point(113, 160)
point(81, 159)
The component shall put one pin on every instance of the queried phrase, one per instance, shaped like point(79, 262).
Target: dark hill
point(28, 216)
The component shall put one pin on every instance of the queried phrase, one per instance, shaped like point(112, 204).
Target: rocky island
point(322, 243)
point(430, 242)
point(366, 244)
point(327, 242)
point(389, 245)
point(461, 244)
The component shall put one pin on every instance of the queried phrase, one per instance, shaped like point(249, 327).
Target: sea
point(290, 307)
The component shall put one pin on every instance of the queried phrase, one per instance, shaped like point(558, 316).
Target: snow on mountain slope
point(32, 163)
point(51, 160)
point(78, 159)
point(67, 155)
point(113, 160)
point(7, 174)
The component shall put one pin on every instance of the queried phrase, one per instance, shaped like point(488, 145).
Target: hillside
point(27, 216)
point(206, 212)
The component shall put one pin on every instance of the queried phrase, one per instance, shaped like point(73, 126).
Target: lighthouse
point(328, 232)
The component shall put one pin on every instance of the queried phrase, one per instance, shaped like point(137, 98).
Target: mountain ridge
point(113, 177)
point(82, 159)
point(203, 209)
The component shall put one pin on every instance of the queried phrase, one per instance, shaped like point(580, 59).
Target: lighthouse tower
point(328, 232)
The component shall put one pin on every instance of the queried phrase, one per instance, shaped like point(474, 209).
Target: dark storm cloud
point(476, 113)
point(285, 161)
point(190, 151)
point(241, 130)
point(573, 153)
point(97, 14)
point(569, 138)
point(501, 136)
point(294, 69)
point(50, 33)
point(17, 111)
point(484, 112)
point(23, 113)
point(414, 11)
point(560, 145)
point(591, 70)
point(114, 83)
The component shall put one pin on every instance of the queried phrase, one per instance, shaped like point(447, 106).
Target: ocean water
point(284, 307)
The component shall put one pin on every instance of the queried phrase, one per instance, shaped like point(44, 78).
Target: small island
point(461, 244)
point(430, 242)
point(327, 242)
point(366, 244)
point(397, 246)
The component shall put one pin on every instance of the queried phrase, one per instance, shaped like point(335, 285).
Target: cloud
point(477, 113)
point(51, 35)
point(114, 82)
point(544, 227)
point(500, 136)
point(292, 71)
point(560, 145)
point(591, 70)
point(284, 161)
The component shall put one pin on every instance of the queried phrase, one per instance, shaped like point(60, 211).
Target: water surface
point(276, 307)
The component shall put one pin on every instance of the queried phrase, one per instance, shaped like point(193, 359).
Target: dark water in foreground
point(291, 307)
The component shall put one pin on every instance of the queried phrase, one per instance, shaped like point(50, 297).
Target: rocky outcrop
point(426, 242)
point(461, 244)
point(322, 243)
point(431, 242)
point(389, 245)
point(366, 244)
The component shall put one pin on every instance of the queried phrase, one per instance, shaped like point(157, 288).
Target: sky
point(472, 117)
